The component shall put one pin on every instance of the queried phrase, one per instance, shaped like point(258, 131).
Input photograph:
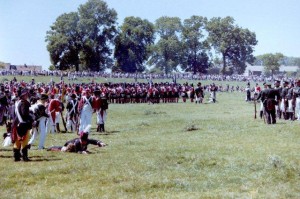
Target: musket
point(294, 106)
point(64, 122)
point(255, 108)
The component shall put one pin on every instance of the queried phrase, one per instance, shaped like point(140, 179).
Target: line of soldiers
point(281, 101)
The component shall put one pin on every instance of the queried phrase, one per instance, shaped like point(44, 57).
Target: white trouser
point(50, 126)
point(42, 131)
point(85, 118)
point(297, 108)
point(101, 116)
point(71, 125)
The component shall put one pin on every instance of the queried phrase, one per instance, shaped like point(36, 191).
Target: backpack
point(104, 103)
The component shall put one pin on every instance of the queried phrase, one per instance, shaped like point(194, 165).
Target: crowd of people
point(281, 101)
point(29, 109)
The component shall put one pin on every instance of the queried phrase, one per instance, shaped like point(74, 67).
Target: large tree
point(132, 44)
point(234, 43)
point(83, 39)
point(195, 47)
point(166, 52)
point(98, 26)
point(271, 62)
point(64, 42)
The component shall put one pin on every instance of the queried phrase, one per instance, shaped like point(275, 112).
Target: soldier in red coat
point(54, 107)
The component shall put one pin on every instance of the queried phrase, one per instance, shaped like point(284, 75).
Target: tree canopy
point(234, 43)
point(271, 61)
point(90, 39)
point(132, 45)
point(83, 39)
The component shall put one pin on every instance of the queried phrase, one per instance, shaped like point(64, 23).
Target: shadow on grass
point(105, 133)
point(5, 149)
point(43, 159)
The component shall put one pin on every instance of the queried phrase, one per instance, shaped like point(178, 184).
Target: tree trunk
point(224, 63)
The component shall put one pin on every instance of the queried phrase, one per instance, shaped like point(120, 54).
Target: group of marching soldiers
point(28, 110)
point(281, 101)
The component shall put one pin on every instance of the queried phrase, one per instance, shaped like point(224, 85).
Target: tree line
point(90, 39)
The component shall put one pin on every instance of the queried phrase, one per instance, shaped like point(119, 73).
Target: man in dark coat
point(270, 98)
point(21, 126)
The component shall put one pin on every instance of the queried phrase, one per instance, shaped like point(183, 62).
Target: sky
point(24, 23)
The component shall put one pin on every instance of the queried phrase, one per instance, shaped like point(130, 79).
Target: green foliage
point(234, 43)
point(271, 62)
point(2, 65)
point(167, 51)
point(82, 38)
point(194, 53)
point(51, 68)
point(132, 44)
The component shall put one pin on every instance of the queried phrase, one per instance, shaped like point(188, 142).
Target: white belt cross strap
point(17, 112)
point(74, 105)
point(87, 101)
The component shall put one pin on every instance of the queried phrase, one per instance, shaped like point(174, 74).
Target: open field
point(179, 150)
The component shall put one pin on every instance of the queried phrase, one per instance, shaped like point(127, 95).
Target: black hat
point(97, 91)
point(73, 95)
point(286, 82)
point(44, 96)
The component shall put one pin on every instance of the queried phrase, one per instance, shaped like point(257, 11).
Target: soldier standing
point(39, 111)
point(284, 101)
point(21, 127)
point(296, 99)
point(268, 97)
point(72, 113)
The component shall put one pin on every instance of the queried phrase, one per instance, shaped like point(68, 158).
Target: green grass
point(167, 151)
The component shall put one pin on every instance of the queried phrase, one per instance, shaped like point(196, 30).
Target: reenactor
point(296, 100)
point(40, 116)
point(284, 101)
point(21, 126)
point(199, 93)
point(277, 107)
point(72, 113)
point(268, 97)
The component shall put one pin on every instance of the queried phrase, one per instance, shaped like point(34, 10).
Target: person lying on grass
point(78, 145)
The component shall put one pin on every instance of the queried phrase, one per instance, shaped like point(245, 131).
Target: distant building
point(259, 70)
point(24, 67)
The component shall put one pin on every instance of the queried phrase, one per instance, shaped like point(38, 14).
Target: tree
point(2, 65)
point(166, 52)
point(83, 39)
point(97, 25)
point(234, 43)
point(271, 62)
point(195, 47)
point(64, 42)
point(132, 44)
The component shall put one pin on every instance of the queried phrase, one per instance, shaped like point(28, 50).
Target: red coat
point(54, 106)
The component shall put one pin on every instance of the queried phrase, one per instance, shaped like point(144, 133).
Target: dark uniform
point(21, 127)
point(268, 97)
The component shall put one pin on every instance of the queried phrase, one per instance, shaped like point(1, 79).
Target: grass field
point(179, 150)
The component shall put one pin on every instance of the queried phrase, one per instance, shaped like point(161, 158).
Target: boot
point(103, 128)
point(17, 155)
point(25, 154)
point(57, 128)
point(98, 128)
point(261, 114)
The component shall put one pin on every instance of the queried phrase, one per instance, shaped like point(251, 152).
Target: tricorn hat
point(44, 96)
